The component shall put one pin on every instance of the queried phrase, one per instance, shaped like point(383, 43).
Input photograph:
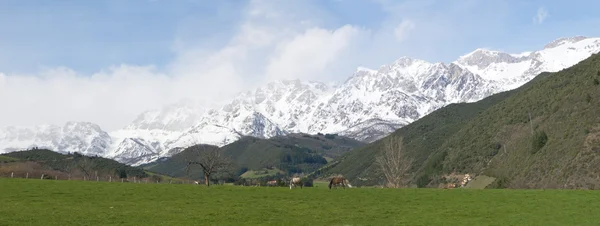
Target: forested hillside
point(558, 148)
point(70, 165)
point(290, 154)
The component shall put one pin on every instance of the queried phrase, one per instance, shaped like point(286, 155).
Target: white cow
point(296, 181)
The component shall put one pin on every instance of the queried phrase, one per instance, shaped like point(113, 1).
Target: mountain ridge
point(543, 135)
point(368, 105)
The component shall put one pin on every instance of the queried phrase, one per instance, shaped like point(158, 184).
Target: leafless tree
point(393, 162)
point(86, 165)
point(69, 168)
point(209, 158)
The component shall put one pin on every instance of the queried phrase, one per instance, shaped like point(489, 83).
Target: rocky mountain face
point(83, 137)
point(367, 106)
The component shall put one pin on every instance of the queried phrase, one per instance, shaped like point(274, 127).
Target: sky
point(107, 61)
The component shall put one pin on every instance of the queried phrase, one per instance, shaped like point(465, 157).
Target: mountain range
point(369, 105)
point(544, 134)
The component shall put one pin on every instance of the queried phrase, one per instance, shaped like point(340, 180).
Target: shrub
point(539, 140)
point(499, 183)
point(121, 173)
point(423, 181)
point(156, 178)
point(241, 170)
point(307, 182)
point(330, 136)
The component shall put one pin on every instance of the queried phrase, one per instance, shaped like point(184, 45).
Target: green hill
point(560, 148)
point(7, 159)
point(293, 153)
point(75, 163)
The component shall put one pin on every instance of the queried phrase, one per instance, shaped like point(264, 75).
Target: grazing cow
point(196, 182)
point(296, 181)
point(272, 183)
point(339, 180)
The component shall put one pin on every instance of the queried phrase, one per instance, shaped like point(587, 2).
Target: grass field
point(260, 173)
point(48, 202)
point(7, 159)
point(480, 182)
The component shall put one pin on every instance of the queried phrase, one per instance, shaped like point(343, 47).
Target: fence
point(97, 178)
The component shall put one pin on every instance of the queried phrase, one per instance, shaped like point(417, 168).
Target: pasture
point(59, 202)
point(7, 159)
point(260, 173)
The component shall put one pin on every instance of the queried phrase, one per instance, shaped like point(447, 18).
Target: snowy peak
point(512, 70)
point(135, 151)
point(174, 117)
point(405, 62)
point(204, 133)
point(482, 58)
point(566, 52)
point(365, 70)
point(562, 41)
point(84, 137)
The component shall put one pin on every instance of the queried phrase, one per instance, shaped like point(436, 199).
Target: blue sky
point(116, 54)
point(90, 35)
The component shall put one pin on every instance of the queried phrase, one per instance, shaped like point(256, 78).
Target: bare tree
point(86, 165)
point(393, 162)
point(210, 159)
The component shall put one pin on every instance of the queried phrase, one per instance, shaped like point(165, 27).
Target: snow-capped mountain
point(510, 71)
point(370, 104)
point(83, 137)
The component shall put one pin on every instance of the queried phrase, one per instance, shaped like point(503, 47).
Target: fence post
point(27, 176)
point(109, 178)
point(42, 177)
point(121, 180)
point(12, 174)
point(69, 176)
point(55, 177)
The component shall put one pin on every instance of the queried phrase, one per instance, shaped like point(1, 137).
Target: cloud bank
point(270, 40)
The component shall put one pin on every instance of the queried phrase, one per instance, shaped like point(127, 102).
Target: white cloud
point(308, 55)
point(541, 15)
point(403, 29)
point(273, 40)
point(268, 44)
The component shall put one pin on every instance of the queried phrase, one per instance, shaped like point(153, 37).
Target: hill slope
point(43, 160)
point(293, 153)
point(560, 148)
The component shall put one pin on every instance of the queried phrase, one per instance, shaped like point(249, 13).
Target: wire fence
point(97, 178)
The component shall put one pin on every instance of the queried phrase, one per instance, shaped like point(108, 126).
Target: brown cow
point(337, 180)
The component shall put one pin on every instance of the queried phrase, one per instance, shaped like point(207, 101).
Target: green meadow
point(56, 202)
